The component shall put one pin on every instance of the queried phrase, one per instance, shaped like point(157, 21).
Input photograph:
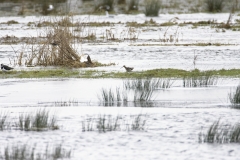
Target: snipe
point(128, 69)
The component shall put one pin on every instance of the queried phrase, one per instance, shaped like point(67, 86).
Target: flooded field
point(170, 121)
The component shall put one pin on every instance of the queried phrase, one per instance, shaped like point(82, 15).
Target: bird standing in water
point(5, 67)
point(128, 69)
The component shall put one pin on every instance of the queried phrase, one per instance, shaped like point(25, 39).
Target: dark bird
point(128, 69)
point(89, 59)
point(55, 43)
point(5, 67)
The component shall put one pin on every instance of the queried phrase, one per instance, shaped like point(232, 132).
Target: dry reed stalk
point(20, 59)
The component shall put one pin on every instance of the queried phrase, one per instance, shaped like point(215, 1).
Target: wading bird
point(5, 67)
point(128, 69)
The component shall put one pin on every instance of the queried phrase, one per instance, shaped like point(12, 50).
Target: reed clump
point(40, 121)
point(214, 5)
point(152, 8)
point(234, 97)
point(137, 91)
point(28, 152)
point(58, 46)
point(3, 120)
point(106, 123)
point(197, 79)
point(219, 133)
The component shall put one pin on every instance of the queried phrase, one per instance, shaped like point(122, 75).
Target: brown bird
point(128, 69)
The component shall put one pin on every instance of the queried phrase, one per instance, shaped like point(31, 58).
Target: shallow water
point(172, 126)
point(172, 133)
point(20, 92)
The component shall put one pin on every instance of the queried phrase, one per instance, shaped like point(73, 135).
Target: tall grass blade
point(234, 97)
point(3, 120)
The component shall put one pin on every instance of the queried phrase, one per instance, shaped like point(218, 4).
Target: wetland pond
point(165, 126)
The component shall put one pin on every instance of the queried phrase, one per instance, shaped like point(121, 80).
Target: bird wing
point(7, 67)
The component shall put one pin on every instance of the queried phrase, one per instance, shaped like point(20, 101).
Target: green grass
point(40, 73)
point(154, 73)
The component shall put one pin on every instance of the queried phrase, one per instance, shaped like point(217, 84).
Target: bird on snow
point(128, 69)
point(5, 67)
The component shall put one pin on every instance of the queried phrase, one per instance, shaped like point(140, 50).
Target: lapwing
point(128, 69)
point(5, 68)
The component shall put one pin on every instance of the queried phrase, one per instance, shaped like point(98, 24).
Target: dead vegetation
point(170, 37)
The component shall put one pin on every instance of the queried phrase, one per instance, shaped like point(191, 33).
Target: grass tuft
point(138, 122)
point(214, 5)
point(152, 8)
point(219, 133)
point(107, 123)
point(3, 120)
point(198, 79)
point(40, 121)
point(27, 152)
point(66, 103)
point(142, 90)
point(234, 97)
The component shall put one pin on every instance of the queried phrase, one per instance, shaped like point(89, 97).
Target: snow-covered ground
point(179, 113)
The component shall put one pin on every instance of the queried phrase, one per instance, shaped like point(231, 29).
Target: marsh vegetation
point(133, 90)
point(28, 152)
point(221, 133)
point(107, 123)
point(41, 120)
point(234, 97)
